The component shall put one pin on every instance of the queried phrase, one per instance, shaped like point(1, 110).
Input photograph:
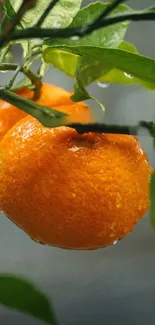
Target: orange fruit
point(51, 96)
point(70, 190)
point(10, 114)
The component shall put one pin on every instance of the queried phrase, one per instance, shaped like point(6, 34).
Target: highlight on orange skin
point(69, 190)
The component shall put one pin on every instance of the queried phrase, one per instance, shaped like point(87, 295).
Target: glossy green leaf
point(136, 65)
point(127, 47)
point(67, 63)
point(19, 294)
point(121, 77)
point(152, 200)
point(94, 69)
point(104, 37)
point(60, 16)
point(49, 117)
point(64, 61)
point(90, 69)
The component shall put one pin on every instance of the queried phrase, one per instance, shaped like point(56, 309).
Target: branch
point(9, 28)
point(104, 128)
point(35, 79)
point(81, 31)
point(150, 126)
point(46, 12)
point(106, 12)
point(8, 67)
point(115, 129)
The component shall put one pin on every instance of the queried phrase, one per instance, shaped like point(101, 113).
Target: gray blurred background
point(109, 286)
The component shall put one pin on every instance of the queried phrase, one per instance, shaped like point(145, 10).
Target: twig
point(18, 69)
point(133, 16)
point(150, 126)
point(105, 13)
point(44, 15)
point(104, 128)
point(81, 31)
point(7, 32)
point(115, 129)
point(35, 79)
point(8, 67)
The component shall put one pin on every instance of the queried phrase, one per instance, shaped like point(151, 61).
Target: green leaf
point(121, 77)
point(152, 200)
point(19, 294)
point(80, 93)
point(128, 47)
point(90, 69)
point(104, 37)
point(64, 61)
point(10, 14)
point(60, 16)
point(49, 117)
point(133, 64)
point(67, 62)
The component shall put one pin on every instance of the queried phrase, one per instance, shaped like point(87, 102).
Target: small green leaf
point(152, 200)
point(136, 65)
point(49, 117)
point(60, 16)
point(21, 295)
point(80, 93)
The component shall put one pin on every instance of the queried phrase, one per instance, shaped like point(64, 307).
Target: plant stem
point(8, 67)
point(46, 12)
point(26, 4)
point(104, 128)
point(35, 79)
point(133, 16)
point(81, 31)
point(113, 5)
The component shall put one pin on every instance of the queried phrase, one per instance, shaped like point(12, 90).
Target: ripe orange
point(10, 114)
point(70, 190)
point(51, 96)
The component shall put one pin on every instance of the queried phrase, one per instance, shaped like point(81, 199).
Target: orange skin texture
point(70, 190)
point(51, 96)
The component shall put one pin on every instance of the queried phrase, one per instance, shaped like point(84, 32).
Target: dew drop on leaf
point(128, 75)
point(75, 38)
point(103, 84)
